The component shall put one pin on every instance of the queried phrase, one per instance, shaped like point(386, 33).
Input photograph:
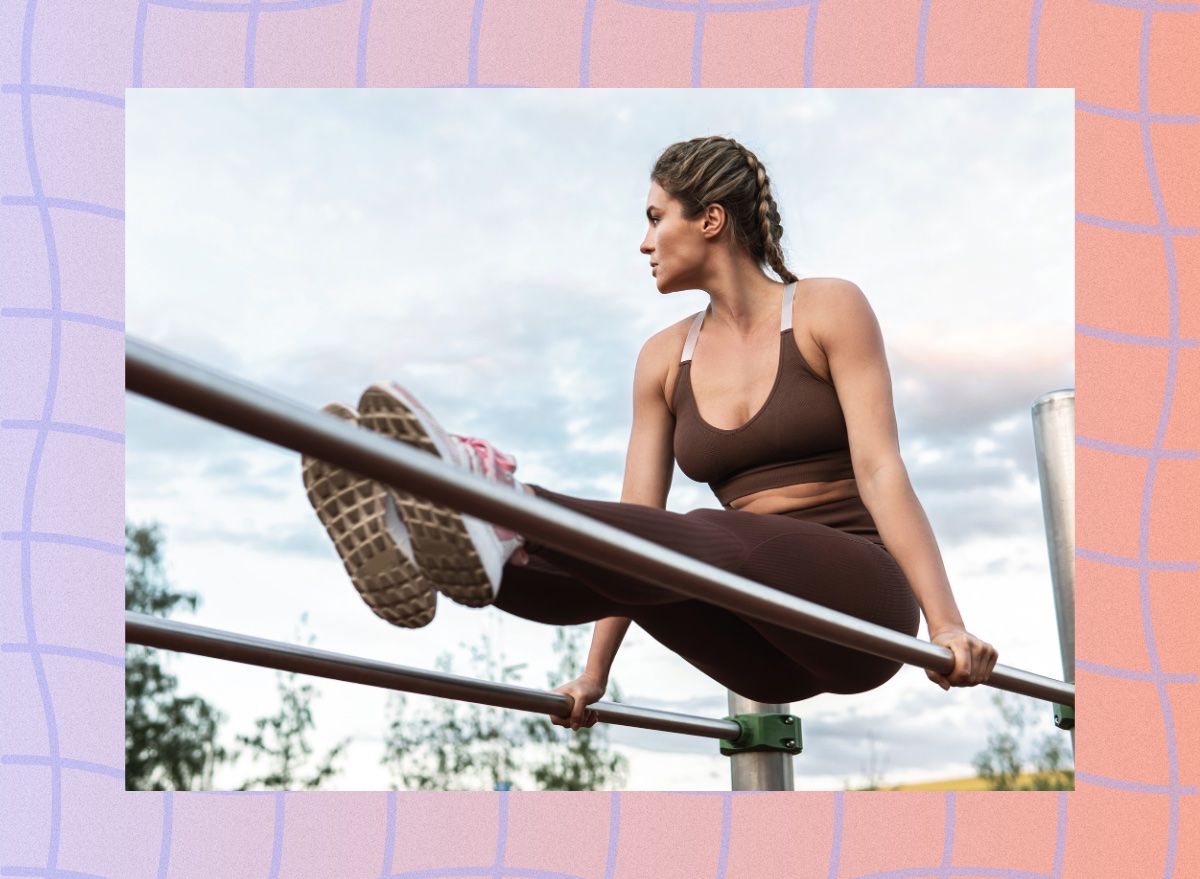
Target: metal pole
point(1054, 444)
point(760, 770)
point(203, 641)
point(160, 375)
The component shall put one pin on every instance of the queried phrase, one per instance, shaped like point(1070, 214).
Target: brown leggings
point(755, 659)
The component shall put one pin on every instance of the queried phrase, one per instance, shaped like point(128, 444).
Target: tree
point(282, 739)
point(455, 745)
point(575, 760)
point(463, 746)
point(874, 769)
point(170, 740)
point(1007, 755)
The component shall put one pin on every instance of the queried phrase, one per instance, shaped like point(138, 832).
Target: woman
point(778, 395)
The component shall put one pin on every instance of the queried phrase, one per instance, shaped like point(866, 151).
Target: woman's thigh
point(841, 572)
point(833, 569)
point(810, 561)
point(714, 640)
point(752, 657)
point(545, 593)
point(730, 650)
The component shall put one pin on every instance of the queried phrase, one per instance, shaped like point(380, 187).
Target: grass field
point(972, 783)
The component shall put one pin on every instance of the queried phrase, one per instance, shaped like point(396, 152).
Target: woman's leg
point(754, 658)
point(714, 640)
point(544, 593)
point(697, 534)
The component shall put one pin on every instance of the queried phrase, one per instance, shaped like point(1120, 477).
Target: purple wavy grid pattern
point(64, 811)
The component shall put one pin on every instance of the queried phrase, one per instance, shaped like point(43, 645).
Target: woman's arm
point(649, 463)
point(845, 327)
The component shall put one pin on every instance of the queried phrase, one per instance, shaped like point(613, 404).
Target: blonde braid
point(768, 216)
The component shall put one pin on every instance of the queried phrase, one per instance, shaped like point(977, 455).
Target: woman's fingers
point(566, 719)
point(974, 660)
point(580, 712)
point(578, 709)
point(961, 676)
point(587, 717)
point(937, 679)
point(983, 660)
point(580, 715)
point(991, 663)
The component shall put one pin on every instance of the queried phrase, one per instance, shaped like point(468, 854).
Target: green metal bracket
point(764, 732)
point(1064, 716)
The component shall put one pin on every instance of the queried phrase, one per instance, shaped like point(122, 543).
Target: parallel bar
point(177, 382)
point(1054, 445)
point(203, 641)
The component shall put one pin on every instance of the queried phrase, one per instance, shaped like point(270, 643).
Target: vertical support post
point(759, 770)
point(1054, 444)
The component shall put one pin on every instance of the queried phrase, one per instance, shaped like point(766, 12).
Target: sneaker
point(462, 555)
point(371, 538)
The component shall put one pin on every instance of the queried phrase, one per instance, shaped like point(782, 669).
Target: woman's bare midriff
point(790, 498)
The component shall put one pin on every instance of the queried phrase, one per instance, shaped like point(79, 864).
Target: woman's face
point(677, 247)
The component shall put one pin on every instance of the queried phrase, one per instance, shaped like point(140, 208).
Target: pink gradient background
point(63, 71)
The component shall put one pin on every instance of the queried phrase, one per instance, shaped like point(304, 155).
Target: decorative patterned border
point(63, 811)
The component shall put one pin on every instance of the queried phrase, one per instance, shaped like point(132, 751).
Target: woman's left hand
point(973, 659)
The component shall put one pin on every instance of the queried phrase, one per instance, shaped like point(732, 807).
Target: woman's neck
point(743, 298)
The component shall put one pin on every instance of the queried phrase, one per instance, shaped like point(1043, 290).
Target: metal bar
point(1054, 442)
point(1054, 445)
point(194, 388)
point(759, 770)
point(190, 638)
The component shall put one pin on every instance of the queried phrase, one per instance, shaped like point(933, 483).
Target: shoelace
point(497, 466)
point(494, 463)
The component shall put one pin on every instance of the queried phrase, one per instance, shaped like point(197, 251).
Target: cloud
point(294, 540)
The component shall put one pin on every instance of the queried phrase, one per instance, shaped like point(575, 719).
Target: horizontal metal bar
point(203, 641)
point(198, 389)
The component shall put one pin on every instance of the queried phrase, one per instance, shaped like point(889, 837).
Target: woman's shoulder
point(666, 345)
point(658, 362)
point(823, 302)
point(829, 290)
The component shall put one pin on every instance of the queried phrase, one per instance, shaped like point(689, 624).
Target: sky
point(481, 246)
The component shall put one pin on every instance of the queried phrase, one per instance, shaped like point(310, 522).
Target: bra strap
point(693, 334)
point(789, 293)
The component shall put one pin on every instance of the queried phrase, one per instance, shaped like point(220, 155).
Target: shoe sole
point(441, 538)
point(354, 511)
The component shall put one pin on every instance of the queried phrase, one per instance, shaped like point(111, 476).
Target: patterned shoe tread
point(441, 543)
point(352, 509)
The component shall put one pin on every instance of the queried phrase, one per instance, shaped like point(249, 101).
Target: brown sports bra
point(798, 436)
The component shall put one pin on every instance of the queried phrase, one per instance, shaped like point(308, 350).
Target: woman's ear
point(714, 221)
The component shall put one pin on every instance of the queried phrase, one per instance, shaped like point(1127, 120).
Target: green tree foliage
point(281, 741)
point(455, 745)
point(170, 740)
point(576, 760)
point(458, 745)
point(1009, 754)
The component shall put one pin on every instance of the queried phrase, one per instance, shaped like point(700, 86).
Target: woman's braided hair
point(712, 170)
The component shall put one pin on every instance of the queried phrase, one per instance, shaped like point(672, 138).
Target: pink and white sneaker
point(463, 556)
point(371, 538)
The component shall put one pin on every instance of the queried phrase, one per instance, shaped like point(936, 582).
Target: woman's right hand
point(585, 690)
